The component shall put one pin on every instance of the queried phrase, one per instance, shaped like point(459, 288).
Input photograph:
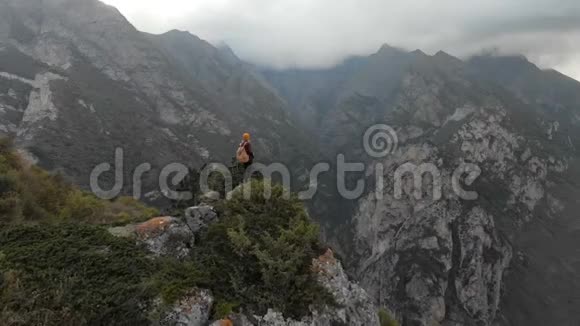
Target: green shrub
point(223, 309)
point(125, 210)
point(8, 182)
point(9, 160)
point(10, 208)
point(81, 206)
point(260, 254)
point(72, 275)
point(386, 319)
point(174, 278)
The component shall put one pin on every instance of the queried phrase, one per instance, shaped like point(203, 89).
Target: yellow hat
point(246, 136)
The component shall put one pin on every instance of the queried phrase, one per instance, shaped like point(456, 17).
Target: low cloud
point(321, 33)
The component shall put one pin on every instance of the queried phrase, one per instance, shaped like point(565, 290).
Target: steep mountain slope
point(78, 81)
point(549, 264)
point(508, 256)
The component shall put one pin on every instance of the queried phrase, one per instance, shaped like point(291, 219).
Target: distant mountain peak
point(387, 49)
point(442, 53)
point(176, 31)
point(445, 57)
point(419, 53)
point(183, 34)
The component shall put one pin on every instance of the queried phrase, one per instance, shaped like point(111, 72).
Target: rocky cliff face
point(451, 261)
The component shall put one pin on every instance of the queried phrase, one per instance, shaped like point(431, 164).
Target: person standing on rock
point(244, 154)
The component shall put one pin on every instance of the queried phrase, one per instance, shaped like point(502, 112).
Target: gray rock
point(356, 307)
point(194, 309)
point(162, 236)
point(166, 236)
point(210, 197)
point(170, 236)
point(173, 237)
point(199, 217)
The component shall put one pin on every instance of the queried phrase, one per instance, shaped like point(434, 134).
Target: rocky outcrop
point(162, 236)
point(200, 217)
point(194, 309)
point(175, 237)
point(166, 236)
point(170, 236)
point(354, 306)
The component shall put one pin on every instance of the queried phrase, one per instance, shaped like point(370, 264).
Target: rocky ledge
point(175, 237)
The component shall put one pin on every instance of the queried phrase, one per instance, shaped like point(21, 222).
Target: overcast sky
point(318, 33)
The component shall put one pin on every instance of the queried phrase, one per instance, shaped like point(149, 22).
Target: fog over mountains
point(77, 81)
point(322, 33)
